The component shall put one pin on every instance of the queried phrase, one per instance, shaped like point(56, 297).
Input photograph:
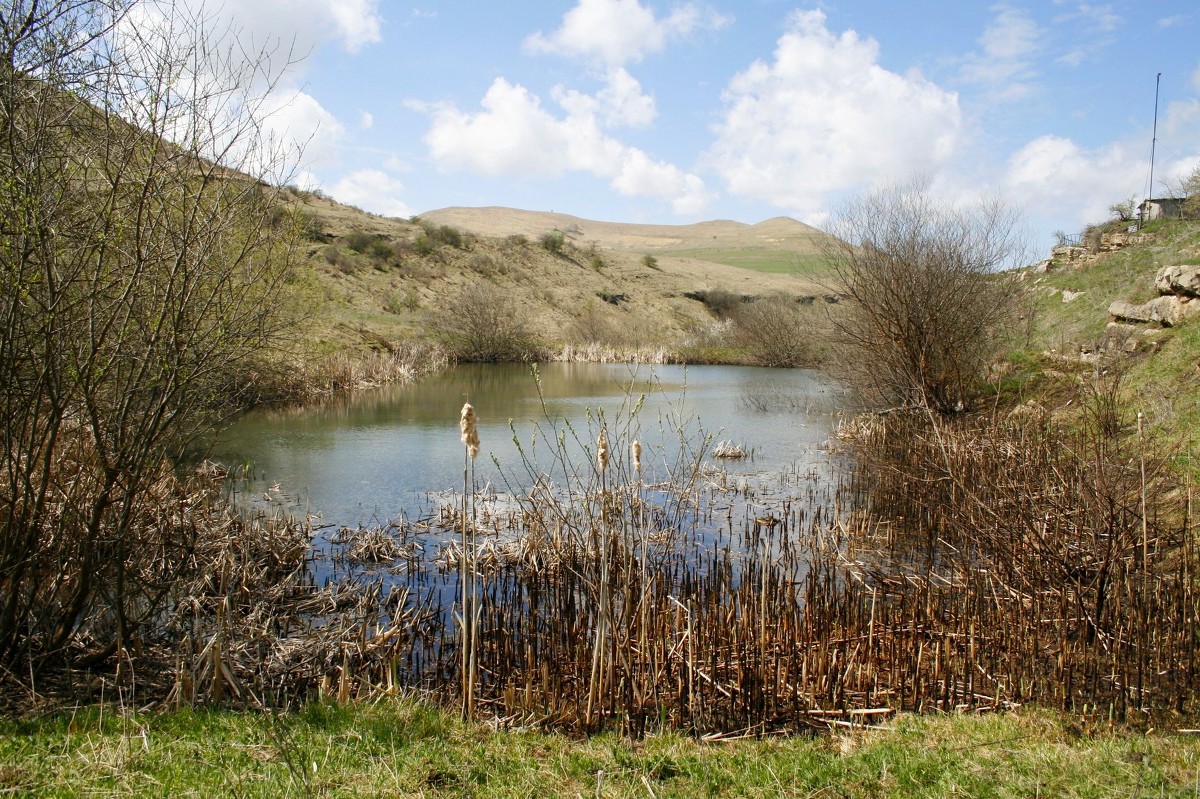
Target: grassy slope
point(351, 299)
point(403, 748)
point(1162, 379)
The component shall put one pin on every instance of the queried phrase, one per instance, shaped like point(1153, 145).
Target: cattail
point(636, 449)
point(470, 435)
point(602, 451)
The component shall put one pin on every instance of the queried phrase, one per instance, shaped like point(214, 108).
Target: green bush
point(381, 249)
point(358, 240)
point(554, 241)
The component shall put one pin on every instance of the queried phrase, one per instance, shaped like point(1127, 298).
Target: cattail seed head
point(470, 433)
point(602, 450)
point(636, 449)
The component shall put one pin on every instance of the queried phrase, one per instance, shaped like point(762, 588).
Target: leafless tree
point(925, 304)
point(483, 324)
point(140, 278)
point(776, 331)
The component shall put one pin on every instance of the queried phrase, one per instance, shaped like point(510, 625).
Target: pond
point(554, 588)
point(376, 456)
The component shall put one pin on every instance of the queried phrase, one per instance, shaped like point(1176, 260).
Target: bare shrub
point(1124, 210)
point(447, 235)
point(483, 324)
point(722, 302)
point(381, 250)
point(774, 331)
point(592, 326)
point(927, 309)
point(141, 284)
point(482, 263)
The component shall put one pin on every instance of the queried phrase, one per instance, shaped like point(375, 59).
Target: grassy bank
point(406, 748)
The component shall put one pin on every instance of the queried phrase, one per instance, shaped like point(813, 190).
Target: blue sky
point(640, 111)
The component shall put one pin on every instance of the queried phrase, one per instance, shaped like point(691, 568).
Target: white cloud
point(372, 190)
point(366, 120)
point(1196, 80)
point(300, 24)
point(824, 118)
point(1005, 61)
point(617, 32)
point(1055, 177)
point(513, 135)
point(1098, 19)
point(357, 21)
point(250, 65)
point(297, 117)
point(621, 103)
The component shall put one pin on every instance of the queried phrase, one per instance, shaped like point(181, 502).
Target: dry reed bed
point(993, 565)
point(982, 565)
point(306, 381)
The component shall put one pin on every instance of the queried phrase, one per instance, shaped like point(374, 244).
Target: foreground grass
point(405, 748)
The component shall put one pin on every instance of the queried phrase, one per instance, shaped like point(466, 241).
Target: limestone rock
point(1179, 279)
point(1167, 311)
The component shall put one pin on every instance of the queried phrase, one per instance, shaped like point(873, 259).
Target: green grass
point(1127, 274)
point(1162, 381)
point(405, 748)
point(773, 261)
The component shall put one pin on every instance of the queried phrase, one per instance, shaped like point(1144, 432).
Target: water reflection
point(368, 457)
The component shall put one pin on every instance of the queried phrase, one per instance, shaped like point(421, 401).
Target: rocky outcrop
point(1167, 311)
point(1182, 279)
point(1179, 290)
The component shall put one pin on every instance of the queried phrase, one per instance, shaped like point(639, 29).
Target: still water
point(394, 453)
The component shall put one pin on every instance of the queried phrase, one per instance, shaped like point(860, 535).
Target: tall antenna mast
point(1153, 142)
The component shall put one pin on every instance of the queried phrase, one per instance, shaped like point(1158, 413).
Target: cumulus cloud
point(1007, 48)
point(823, 117)
point(372, 190)
point(617, 32)
point(1055, 175)
point(253, 66)
point(513, 135)
point(1094, 18)
point(300, 24)
point(621, 103)
point(296, 118)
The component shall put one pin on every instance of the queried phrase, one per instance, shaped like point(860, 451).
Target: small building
point(1162, 208)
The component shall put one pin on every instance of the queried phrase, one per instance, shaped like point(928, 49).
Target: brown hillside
point(391, 287)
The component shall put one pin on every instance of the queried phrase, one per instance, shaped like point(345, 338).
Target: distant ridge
point(779, 233)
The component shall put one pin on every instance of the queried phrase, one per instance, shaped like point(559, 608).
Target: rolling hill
point(371, 279)
point(780, 244)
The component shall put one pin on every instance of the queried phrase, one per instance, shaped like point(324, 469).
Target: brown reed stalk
point(469, 621)
point(600, 644)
